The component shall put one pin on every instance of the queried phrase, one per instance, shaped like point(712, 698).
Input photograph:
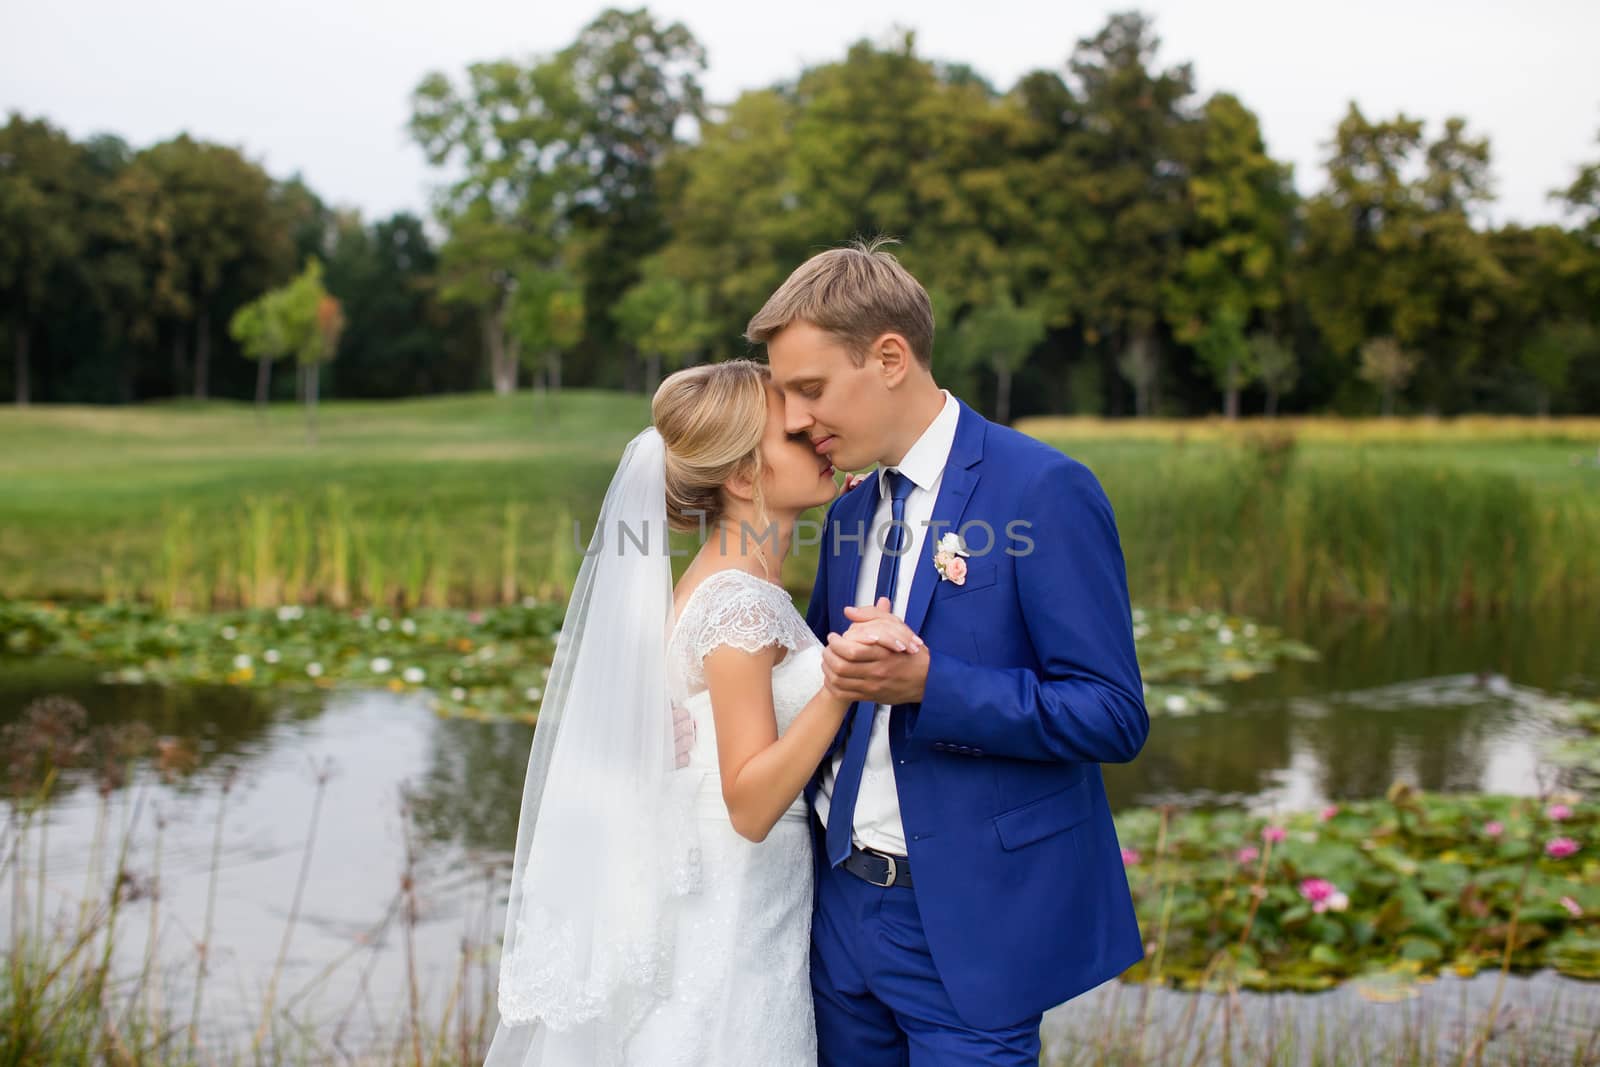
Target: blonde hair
point(857, 293)
point(712, 419)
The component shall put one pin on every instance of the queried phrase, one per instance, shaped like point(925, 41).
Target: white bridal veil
point(604, 844)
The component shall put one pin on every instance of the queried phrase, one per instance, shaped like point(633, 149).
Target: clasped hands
point(879, 659)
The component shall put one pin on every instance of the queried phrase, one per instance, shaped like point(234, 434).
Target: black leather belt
point(879, 868)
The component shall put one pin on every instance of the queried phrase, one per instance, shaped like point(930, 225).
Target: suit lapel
point(955, 491)
point(842, 591)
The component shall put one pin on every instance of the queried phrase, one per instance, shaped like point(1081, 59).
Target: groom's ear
point(895, 358)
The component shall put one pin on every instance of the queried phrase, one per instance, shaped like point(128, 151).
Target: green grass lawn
point(196, 503)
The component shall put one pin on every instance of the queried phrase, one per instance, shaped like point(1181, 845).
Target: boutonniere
point(853, 480)
point(950, 559)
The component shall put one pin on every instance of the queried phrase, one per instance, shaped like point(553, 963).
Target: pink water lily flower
point(1572, 907)
point(1329, 812)
point(1559, 848)
point(1273, 834)
point(1249, 854)
point(1557, 812)
point(1324, 895)
point(1494, 828)
point(1130, 856)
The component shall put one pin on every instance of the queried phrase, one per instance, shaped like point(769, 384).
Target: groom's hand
point(854, 669)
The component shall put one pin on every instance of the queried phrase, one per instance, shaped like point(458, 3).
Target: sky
point(322, 87)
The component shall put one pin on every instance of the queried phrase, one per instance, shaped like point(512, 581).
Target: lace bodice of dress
point(737, 609)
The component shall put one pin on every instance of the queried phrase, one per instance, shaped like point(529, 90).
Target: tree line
point(1098, 239)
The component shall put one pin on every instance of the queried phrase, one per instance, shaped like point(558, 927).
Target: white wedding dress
point(741, 986)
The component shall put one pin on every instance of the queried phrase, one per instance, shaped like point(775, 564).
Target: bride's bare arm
point(762, 773)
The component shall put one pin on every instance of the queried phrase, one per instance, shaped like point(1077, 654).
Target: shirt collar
point(925, 460)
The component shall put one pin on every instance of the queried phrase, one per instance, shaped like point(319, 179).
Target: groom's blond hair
point(857, 293)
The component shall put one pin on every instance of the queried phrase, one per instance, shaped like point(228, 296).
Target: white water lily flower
point(229, 633)
point(533, 693)
point(1184, 625)
point(1225, 636)
point(1338, 902)
point(408, 626)
point(384, 626)
point(290, 613)
point(271, 655)
point(241, 662)
point(1177, 704)
point(381, 665)
point(314, 670)
point(529, 601)
point(458, 694)
point(414, 675)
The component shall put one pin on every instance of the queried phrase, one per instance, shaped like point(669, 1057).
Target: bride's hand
point(878, 626)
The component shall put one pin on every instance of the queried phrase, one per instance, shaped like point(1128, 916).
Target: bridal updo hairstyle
point(711, 419)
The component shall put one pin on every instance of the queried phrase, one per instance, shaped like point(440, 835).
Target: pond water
point(403, 798)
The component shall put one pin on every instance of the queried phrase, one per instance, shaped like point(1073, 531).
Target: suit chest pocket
point(981, 574)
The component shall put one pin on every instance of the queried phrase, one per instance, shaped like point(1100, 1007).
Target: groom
point(968, 873)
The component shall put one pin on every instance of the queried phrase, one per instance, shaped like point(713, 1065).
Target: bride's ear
point(741, 486)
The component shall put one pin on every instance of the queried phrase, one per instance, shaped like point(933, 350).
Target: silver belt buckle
point(894, 871)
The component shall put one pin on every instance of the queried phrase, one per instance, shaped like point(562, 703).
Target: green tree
point(1582, 199)
point(322, 345)
point(43, 191)
point(1227, 355)
point(1388, 366)
point(1000, 335)
point(1275, 365)
point(400, 340)
point(738, 171)
point(138, 277)
point(300, 320)
point(1234, 263)
point(1136, 147)
point(1390, 249)
point(229, 240)
point(508, 132)
point(548, 322)
point(1548, 356)
point(664, 320)
point(637, 85)
point(261, 331)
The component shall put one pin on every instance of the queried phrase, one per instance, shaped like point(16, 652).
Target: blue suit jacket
point(1033, 683)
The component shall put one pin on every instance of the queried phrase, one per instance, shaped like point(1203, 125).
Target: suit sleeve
point(1086, 701)
point(817, 610)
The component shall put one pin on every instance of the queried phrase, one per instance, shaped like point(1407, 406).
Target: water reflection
point(1444, 704)
point(470, 795)
point(221, 727)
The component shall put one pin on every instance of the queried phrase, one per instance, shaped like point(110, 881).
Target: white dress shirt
point(877, 819)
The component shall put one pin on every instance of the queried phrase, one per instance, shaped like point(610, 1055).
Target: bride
point(661, 914)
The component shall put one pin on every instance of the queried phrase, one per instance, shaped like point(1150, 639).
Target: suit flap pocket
point(980, 574)
point(1043, 817)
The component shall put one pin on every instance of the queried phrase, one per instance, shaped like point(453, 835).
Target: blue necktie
point(846, 786)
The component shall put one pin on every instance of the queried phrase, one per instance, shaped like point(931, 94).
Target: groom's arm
point(1086, 703)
